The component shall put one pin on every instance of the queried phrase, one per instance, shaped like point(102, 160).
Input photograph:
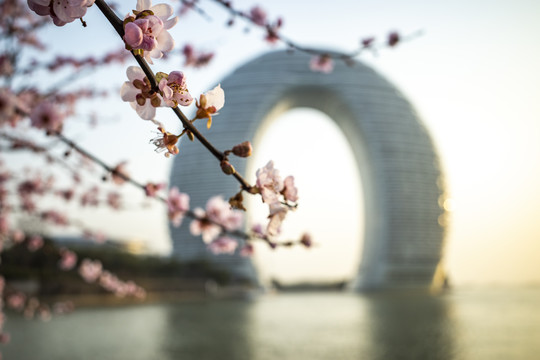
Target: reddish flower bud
point(393, 39)
point(227, 168)
point(306, 240)
point(242, 150)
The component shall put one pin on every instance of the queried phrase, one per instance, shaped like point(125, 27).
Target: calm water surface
point(462, 324)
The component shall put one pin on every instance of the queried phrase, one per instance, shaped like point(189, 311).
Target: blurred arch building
point(402, 181)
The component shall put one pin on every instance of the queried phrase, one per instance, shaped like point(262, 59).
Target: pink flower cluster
point(277, 193)
point(174, 89)
point(113, 284)
point(68, 259)
point(177, 205)
point(218, 216)
point(47, 116)
point(146, 29)
point(61, 11)
point(196, 59)
point(322, 63)
point(92, 271)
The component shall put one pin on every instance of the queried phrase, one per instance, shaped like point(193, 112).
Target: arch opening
point(308, 144)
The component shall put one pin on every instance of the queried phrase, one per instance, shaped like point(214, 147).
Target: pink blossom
point(290, 192)
point(147, 31)
point(68, 259)
point(257, 230)
point(17, 236)
point(210, 103)
point(277, 215)
point(16, 301)
point(9, 113)
point(368, 42)
point(119, 173)
point(258, 15)
point(61, 11)
point(269, 183)
point(247, 250)
point(219, 211)
point(54, 217)
point(218, 214)
point(114, 200)
point(141, 33)
point(90, 270)
point(322, 63)
point(223, 245)
point(177, 204)
point(90, 197)
point(174, 89)
point(166, 142)
point(34, 243)
point(138, 92)
point(96, 236)
point(66, 194)
point(203, 226)
point(196, 59)
point(46, 116)
point(151, 189)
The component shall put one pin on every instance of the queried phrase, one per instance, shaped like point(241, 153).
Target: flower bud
point(242, 150)
point(227, 168)
point(306, 240)
point(236, 201)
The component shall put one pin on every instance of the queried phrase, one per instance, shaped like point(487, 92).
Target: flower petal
point(133, 35)
point(165, 41)
point(156, 54)
point(143, 5)
point(162, 11)
point(147, 111)
point(167, 24)
point(128, 92)
point(135, 73)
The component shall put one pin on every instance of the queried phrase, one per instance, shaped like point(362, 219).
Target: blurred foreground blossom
point(68, 259)
point(61, 11)
point(90, 270)
point(223, 245)
point(177, 205)
point(218, 214)
point(322, 63)
point(46, 116)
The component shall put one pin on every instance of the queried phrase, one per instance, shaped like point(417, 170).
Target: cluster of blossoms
point(145, 31)
point(279, 194)
point(172, 91)
point(210, 223)
point(92, 272)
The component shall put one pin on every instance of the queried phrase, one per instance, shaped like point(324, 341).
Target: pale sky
point(472, 76)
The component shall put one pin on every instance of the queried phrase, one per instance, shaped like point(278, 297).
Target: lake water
point(461, 324)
